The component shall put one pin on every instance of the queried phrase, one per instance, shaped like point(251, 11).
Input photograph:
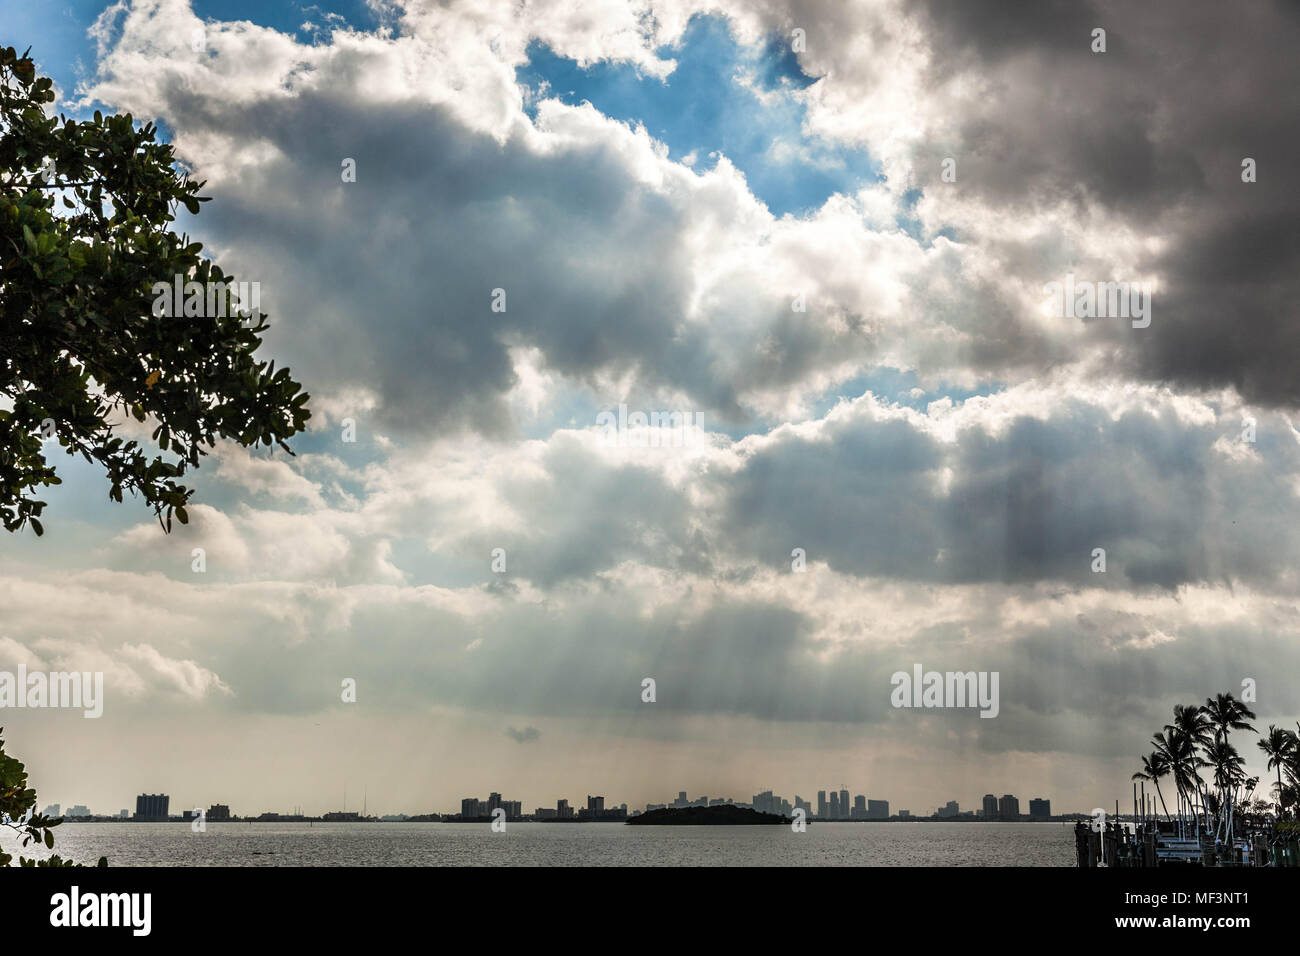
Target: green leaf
point(80, 284)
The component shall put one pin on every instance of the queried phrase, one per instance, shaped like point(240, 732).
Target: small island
point(723, 815)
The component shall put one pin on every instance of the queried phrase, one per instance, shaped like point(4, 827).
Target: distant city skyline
point(832, 807)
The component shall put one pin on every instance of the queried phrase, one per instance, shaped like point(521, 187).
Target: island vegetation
point(723, 815)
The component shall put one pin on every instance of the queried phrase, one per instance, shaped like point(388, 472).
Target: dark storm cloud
point(1154, 131)
point(1029, 503)
point(996, 30)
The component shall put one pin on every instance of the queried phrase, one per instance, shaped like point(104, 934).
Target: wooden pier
point(1154, 843)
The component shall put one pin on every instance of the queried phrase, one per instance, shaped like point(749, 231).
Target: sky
point(824, 231)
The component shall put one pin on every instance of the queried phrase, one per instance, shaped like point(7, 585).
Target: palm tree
point(1178, 751)
point(1192, 720)
point(1249, 787)
point(1199, 737)
point(1278, 744)
point(1228, 773)
point(1196, 728)
point(1154, 766)
point(1290, 795)
point(1226, 713)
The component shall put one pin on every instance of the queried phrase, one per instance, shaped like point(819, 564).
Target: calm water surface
point(559, 844)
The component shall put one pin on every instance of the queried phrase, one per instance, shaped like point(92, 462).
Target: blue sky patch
point(56, 29)
point(711, 104)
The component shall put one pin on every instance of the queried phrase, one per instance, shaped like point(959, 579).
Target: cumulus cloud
point(667, 282)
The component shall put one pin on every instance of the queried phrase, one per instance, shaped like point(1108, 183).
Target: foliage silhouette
point(18, 812)
point(81, 347)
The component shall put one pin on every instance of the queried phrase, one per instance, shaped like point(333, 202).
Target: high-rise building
point(218, 811)
point(563, 810)
point(835, 806)
point(471, 808)
point(152, 806)
point(1008, 808)
point(823, 808)
point(877, 809)
point(596, 810)
point(81, 810)
point(859, 807)
point(990, 807)
point(844, 804)
point(1039, 808)
point(53, 810)
point(950, 809)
